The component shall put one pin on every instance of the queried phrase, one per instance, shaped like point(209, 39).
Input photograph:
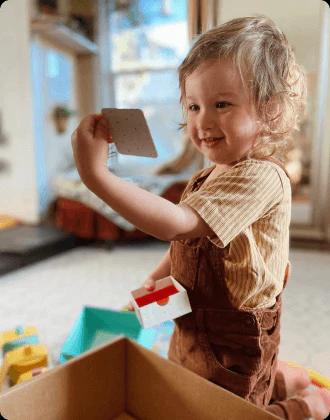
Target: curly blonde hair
point(268, 69)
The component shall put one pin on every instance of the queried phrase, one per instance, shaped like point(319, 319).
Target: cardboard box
point(122, 380)
point(169, 300)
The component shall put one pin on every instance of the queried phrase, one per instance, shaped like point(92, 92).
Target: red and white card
point(169, 300)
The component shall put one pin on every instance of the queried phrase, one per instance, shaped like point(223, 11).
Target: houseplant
point(61, 116)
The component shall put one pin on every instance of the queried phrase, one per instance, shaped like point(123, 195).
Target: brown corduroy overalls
point(234, 348)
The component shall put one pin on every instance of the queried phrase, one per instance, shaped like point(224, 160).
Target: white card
point(130, 132)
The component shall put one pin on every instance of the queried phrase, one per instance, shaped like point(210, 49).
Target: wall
point(54, 84)
point(18, 186)
point(299, 19)
point(35, 76)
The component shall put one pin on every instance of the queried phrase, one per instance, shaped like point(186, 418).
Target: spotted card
point(130, 132)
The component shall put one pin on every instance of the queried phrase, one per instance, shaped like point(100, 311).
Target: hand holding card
point(130, 132)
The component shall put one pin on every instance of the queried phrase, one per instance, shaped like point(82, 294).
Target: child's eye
point(193, 107)
point(222, 104)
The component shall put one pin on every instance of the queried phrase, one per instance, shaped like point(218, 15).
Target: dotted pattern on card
point(130, 132)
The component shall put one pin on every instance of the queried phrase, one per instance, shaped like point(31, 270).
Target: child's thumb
point(150, 284)
point(102, 129)
point(130, 307)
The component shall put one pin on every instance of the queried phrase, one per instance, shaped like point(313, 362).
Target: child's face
point(221, 121)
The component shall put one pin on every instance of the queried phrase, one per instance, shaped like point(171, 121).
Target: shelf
point(64, 36)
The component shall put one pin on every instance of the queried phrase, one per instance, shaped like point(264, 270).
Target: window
point(148, 40)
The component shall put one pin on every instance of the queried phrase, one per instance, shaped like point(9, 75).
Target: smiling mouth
point(210, 141)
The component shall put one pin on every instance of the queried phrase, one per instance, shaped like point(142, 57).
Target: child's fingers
point(130, 307)
point(88, 123)
point(150, 284)
point(102, 130)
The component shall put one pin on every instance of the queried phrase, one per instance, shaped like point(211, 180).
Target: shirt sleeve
point(236, 199)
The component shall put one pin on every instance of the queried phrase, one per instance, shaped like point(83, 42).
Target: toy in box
point(96, 326)
point(167, 301)
point(23, 356)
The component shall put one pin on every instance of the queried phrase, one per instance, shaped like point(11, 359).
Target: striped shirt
point(249, 209)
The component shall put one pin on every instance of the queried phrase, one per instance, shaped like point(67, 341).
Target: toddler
point(242, 94)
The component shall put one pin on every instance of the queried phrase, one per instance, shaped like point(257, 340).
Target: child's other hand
point(90, 146)
point(149, 284)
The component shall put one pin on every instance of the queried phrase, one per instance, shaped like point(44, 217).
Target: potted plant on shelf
point(61, 116)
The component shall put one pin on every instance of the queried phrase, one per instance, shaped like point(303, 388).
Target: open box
point(168, 300)
point(122, 380)
point(95, 326)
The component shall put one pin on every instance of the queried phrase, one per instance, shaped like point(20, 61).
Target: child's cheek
point(243, 125)
point(191, 130)
point(247, 135)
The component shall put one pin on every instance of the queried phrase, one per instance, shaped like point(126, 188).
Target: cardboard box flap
point(156, 385)
point(91, 386)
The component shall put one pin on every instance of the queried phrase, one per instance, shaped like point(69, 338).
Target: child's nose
point(206, 121)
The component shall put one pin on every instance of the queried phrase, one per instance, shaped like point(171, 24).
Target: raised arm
point(148, 212)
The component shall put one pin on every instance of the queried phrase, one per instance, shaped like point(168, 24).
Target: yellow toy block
point(23, 356)
point(24, 359)
point(18, 337)
point(30, 374)
point(316, 377)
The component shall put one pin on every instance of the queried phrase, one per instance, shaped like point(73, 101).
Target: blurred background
point(69, 58)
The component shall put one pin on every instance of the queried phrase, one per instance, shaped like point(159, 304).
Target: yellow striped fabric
point(249, 211)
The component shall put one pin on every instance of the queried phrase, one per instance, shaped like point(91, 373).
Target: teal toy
point(96, 326)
